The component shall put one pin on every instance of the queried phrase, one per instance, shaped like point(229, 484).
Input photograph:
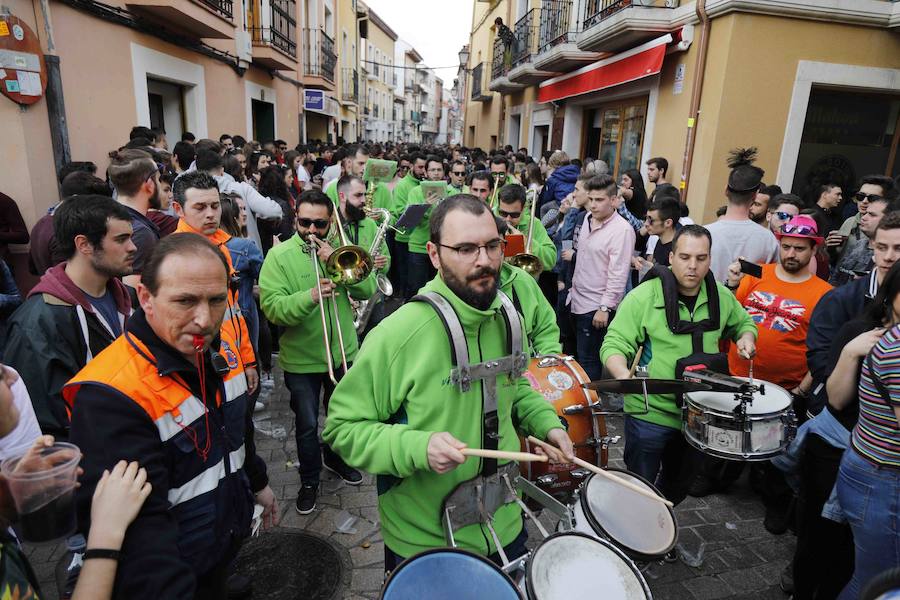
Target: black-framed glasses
point(319, 223)
point(458, 173)
point(860, 197)
point(784, 216)
point(470, 252)
point(511, 215)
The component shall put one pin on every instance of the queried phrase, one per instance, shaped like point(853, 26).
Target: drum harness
point(475, 501)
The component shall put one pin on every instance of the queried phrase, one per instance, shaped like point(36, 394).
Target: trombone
point(497, 186)
point(527, 261)
point(348, 265)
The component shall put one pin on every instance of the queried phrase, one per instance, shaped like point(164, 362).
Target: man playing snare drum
point(654, 445)
point(401, 414)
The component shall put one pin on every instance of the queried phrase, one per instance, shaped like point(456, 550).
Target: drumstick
point(595, 469)
point(502, 454)
point(634, 364)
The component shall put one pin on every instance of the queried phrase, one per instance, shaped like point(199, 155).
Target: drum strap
point(677, 325)
point(463, 374)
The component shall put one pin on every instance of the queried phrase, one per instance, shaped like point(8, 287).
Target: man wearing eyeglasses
point(400, 415)
point(290, 298)
point(510, 208)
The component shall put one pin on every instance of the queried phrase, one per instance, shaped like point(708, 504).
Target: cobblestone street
point(721, 537)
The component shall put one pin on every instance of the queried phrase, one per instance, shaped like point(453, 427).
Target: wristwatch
point(604, 308)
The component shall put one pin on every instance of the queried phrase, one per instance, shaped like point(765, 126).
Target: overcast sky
point(437, 29)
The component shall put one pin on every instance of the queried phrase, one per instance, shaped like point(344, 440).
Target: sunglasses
point(860, 197)
point(799, 229)
point(458, 173)
point(511, 215)
point(319, 223)
point(784, 216)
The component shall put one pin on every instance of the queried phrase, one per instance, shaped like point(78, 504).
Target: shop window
point(616, 134)
point(847, 135)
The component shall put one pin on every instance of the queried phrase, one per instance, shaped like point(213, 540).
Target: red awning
point(637, 63)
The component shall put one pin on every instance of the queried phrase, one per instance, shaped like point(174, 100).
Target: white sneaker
point(259, 406)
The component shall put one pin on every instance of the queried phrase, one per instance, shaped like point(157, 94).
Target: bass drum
point(559, 378)
point(574, 566)
point(449, 574)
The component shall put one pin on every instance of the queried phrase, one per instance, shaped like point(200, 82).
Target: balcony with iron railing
point(319, 59)
point(478, 92)
point(349, 85)
point(613, 25)
point(500, 66)
point(192, 18)
point(557, 50)
point(526, 48)
point(273, 31)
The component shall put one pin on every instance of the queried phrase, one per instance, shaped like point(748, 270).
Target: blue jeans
point(588, 340)
point(660, 455)
point(419, 272)
point(305, 389)
point(870, 498)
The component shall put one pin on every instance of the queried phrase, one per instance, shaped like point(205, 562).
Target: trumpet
point(382, 283)
point(348, 265)
point(527, 261)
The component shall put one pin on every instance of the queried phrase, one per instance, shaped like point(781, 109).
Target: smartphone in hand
point(749, 268)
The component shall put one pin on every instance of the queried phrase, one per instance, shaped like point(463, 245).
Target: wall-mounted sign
point(314, 100)
point(23, 74)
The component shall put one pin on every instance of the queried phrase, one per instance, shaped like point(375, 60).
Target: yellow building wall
point(347, 58)
point(381, 40)
point(750, 78)
point(484, 116)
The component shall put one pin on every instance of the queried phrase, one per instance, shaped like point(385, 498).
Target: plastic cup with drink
point(42, 485)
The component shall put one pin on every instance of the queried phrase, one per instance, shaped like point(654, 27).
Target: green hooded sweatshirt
point(540, 319)
point(401, 196)
point(286, 282)
point(384, 411)
point(641, 321)
point(419, 236)
point(541, 244)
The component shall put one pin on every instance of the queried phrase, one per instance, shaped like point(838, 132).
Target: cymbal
point(653, 386)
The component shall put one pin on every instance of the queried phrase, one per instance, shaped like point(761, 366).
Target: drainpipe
point(56, 104)
point(696, 94)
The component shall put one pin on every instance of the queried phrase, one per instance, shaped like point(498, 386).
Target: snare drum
point(449, 574)
point(710, 425)
point(558, 378)
point(643, 528)
point(574, 566)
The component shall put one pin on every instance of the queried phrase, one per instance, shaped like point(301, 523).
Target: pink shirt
point(603, 264)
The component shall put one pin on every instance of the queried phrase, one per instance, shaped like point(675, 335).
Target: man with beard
point(361, 231)
point(358, 156)
point(781, 303)
point(136, 179)
point(407, 419)
point(401, 240)
point(419, 268)
point(78, 307)
point(289, 297)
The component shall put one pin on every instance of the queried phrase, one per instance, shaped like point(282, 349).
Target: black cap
point(745, 176)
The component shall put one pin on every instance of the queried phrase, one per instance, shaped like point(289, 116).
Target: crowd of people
point(171, 279)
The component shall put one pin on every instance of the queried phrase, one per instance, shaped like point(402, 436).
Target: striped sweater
point(877, 436)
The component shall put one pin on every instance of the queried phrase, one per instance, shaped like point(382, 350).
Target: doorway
point(263, 114)
point(615, 134)
point(515, 128)
point(539, 140)
point(166, 103)
point(846, 135)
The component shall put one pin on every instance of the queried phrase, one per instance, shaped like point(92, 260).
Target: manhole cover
point(287, 565)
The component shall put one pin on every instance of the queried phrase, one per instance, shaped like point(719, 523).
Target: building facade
point(815, 88)
point(407, 60)
point(377, 59)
